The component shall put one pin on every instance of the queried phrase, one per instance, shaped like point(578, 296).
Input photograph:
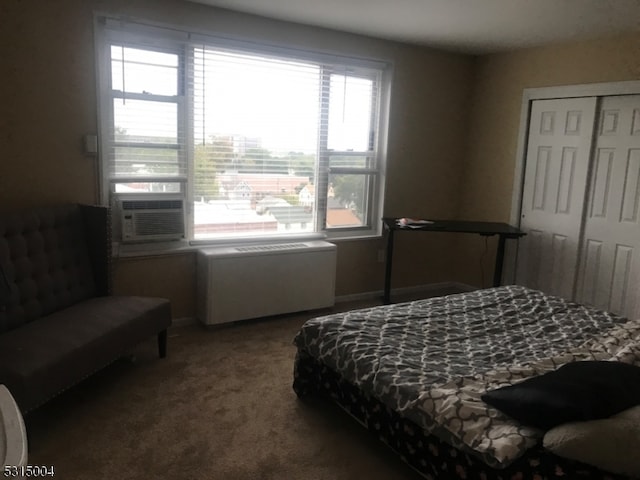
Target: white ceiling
point(470, 26)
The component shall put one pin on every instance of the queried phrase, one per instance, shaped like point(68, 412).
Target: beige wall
point(169, 276)
point(48, 100)
point(452, 138)
point(495, 109)
point(500, 79)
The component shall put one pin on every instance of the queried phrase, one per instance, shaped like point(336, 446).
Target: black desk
point(487, 229)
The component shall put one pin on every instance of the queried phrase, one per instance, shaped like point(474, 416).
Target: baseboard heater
point(244, 282)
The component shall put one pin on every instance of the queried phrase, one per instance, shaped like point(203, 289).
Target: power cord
point(482, 258)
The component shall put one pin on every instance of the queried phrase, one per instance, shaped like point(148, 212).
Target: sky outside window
point(275, 101)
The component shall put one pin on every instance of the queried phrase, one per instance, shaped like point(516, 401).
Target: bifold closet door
point(609, 266)
point(556, 169)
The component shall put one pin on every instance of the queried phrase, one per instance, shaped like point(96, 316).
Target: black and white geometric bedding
point(430, 360)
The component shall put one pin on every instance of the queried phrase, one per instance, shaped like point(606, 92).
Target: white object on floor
point(13, 435)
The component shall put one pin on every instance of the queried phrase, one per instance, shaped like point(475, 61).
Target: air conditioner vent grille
point(150, 224)
point(271, 248)
point(151, 204)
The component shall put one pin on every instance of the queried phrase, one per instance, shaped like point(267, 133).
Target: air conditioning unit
point(145, 217)
point(251, 281)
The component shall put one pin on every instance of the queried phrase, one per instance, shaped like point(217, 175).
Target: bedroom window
point(259, 142)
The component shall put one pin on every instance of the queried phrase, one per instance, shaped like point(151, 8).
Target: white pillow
point(610, 444)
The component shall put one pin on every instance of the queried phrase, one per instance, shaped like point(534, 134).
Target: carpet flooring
point(220, 406)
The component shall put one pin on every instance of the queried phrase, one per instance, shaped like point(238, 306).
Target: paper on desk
point(412, 222)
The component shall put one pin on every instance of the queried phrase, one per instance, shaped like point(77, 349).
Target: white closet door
point(557, 164)
point(609, 269)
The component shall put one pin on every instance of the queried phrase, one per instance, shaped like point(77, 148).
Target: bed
point(414, 373)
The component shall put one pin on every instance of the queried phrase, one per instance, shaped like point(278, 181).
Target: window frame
point(180, 101)
point(175, 40)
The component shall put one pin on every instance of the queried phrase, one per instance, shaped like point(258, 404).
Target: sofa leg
point(162, 344)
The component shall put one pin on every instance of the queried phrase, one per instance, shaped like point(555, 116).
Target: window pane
point(348, 200)
point(132, 161)
point(239, 217)
point(350, 161)
point(350, 113)
point(142, 121)
point(144, 71)
point(148, 187)
point(256, 126)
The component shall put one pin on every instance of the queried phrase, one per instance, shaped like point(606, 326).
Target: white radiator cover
point(239, 283)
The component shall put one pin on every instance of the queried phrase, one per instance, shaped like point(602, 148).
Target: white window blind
point(256, 125)
point(259, 142)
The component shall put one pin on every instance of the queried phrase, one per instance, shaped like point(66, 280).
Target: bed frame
point(426, 453)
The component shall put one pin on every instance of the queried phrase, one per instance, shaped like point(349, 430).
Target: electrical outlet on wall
point(91, 144)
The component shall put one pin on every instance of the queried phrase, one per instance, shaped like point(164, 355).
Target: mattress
point(429, 361)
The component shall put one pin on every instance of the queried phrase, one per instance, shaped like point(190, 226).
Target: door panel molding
point(547, 93)
point(559, 158)
point(589, 251)
point(614, 204)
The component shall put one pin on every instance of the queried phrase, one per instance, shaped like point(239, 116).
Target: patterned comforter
point(431, 360)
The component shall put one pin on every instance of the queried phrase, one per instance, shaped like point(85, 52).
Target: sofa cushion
point(49, 354)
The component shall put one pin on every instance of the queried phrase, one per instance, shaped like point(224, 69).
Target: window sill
point(151, 249)
point(355, 238)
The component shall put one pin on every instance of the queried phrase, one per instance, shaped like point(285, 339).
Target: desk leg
point(386, 298)
point(497, 272)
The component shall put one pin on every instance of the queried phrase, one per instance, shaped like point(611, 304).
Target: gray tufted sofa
point(59, 322)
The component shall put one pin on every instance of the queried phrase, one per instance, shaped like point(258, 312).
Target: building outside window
point(257, 141)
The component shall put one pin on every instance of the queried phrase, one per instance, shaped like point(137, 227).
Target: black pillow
point(577, 391)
